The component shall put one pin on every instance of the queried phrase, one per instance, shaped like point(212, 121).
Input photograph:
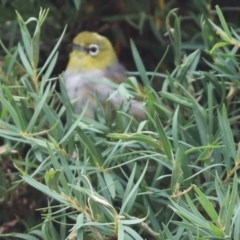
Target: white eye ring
point(93, 49)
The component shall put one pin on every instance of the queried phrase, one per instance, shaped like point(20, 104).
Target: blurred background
point(144, 21)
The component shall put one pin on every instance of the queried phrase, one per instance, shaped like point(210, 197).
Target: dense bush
point(173, 176)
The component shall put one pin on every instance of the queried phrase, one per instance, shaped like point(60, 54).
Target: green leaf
point(167, 232)
point(200, 117)
point(14, 104)
point(110, 184)
point(95, 154)
point(183, 69)
point(129, 198)
point(120, 230)
point(177, 173)
point(139, 64)
point(51, 179)
point(25, 61)
point(175, 128)
point(177, 40)
point(136, 136)
point(218, 45)
point(167, 146)
point(77, 4)
point(13, 113)
point(38, 108)
point(177, 99)
point(229, 150)
point(207, 205)
point(223, 22)
point(132, 233)
point(231, 207)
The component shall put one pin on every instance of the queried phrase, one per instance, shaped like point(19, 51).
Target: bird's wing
point(135, 108)
point(117, 73)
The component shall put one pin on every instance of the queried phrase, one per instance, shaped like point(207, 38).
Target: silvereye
point(92, 67)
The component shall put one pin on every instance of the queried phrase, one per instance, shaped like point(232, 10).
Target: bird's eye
point(93, 49)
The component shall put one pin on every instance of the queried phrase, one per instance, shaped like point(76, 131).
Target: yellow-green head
point(91, 51)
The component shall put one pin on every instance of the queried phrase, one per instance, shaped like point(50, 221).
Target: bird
point(93, 70)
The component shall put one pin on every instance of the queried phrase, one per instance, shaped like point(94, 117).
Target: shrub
point(173, 176)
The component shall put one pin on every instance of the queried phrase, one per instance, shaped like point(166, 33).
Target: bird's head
point(91, 51)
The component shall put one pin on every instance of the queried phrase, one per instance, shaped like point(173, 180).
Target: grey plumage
point(82, 86)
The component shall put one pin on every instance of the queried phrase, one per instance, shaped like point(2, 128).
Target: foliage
point(173, 176)
point(141, 20)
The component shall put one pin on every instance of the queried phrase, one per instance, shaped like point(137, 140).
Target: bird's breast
point(81, 88)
